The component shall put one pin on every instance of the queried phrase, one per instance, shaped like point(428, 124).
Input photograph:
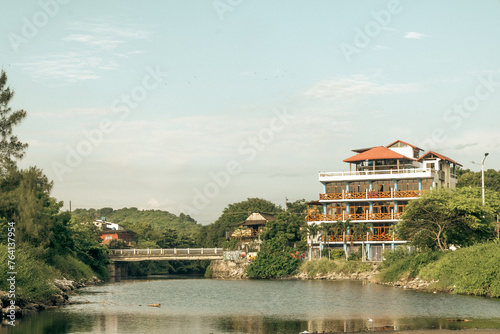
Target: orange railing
point(349, 238)
point(354, 216)
point(371, 194)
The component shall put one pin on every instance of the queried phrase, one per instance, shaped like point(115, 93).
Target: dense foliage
point(449, 216)
point(281, 249)
point(401, 262)
point(472, 270)
point(44, 241)
point(152, 229)
point(215, 235)
point(468, 178)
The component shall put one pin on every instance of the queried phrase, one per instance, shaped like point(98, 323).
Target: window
point(385, 185)
point(401, 206)
point(335, 187)
point(359, 186)
point(383, 207)
point(426, 184)
point(409, 184)
point(335, 208)
point(359, 208)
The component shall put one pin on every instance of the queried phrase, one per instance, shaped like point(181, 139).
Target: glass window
point(409, 184)
point(335, 208)
point(359, 186)
point(385, 185)
point(426, 184)
point(335, 187)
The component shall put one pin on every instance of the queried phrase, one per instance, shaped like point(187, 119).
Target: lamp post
point(482, 174)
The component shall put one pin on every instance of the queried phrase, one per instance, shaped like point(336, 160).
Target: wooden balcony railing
point(349, 238)
point(354, 216)
point(372, 194)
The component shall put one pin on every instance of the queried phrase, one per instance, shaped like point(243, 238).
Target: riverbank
point(63, 289)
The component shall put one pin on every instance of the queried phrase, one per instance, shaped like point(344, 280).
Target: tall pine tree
point(10, 146)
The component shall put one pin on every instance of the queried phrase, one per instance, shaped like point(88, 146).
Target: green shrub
point(401, 262)
point(322, 266)
point(272, 265)
point(333, 253)
point(473, 270)
point(209, 272)
point(351, 267)
point(71, 267)
point(32, 278)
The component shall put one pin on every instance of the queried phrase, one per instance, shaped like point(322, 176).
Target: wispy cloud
point(355, 86)
point(414, 35)
point(91, 48)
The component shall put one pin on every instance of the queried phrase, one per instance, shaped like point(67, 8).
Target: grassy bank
point(34, 276)
point(472, 270)
point(325, 267)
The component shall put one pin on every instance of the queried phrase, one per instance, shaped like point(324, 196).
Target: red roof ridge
point(418, 148)
point(377, 153)
point(440, 156)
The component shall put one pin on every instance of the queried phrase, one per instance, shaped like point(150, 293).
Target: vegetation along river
point(258, 306)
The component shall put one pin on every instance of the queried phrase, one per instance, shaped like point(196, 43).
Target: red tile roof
point(440, 156)
point(400, 141)
point(377, 153)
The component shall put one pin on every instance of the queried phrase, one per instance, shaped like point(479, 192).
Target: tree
point(360, 231)
point(448, 216)
point(214, 235)
point(285, 230)
point(470, 179)
point(343, 228)
point(312, 231)
point(10, 146)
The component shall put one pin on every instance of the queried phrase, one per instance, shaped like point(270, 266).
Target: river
point(257, 306)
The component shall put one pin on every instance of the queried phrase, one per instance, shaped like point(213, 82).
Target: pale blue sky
point(175, 92)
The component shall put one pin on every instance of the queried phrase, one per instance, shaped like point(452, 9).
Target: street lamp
point(482, 173)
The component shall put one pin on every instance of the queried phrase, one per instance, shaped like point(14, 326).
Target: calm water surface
point(213, 306)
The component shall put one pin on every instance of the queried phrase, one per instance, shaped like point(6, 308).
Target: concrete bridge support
point(118, 270)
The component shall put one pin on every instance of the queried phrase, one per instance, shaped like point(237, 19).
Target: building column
point(368, 255)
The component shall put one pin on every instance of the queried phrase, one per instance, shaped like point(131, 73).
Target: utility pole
point(286, 205)
point(482, 175)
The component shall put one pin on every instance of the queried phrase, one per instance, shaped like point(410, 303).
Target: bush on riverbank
point(401, 262)
point(473, 270)
point(32, 278)
point(325, 267)
point(272, 265)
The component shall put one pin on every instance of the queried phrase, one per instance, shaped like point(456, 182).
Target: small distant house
point(250, 229)
point(104, 225)
point(109, 235)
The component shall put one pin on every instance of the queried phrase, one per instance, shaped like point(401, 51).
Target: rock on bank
point(226, 269)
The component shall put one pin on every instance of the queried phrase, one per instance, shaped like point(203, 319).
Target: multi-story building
point(379, 184)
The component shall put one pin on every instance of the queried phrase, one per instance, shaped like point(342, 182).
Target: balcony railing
point(354, 216)
point(376, 172)
point(349, 238)
point(370, 194)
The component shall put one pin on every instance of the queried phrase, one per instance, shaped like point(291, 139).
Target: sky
point(189, 106)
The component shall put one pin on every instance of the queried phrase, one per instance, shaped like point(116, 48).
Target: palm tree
point(325, 228)
point(343, 227)
point(360, 230)
point(312, 231)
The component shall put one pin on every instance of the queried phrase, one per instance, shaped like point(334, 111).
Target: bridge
point(163, 254)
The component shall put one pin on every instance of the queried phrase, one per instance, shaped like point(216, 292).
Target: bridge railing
point(167, 251)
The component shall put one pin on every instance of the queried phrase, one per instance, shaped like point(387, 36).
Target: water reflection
point(262, 307)
point(63, 322)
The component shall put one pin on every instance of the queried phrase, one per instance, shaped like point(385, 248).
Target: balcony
point(366, 238)
point(371, 195)
point(376, 174)
point(354, 216)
